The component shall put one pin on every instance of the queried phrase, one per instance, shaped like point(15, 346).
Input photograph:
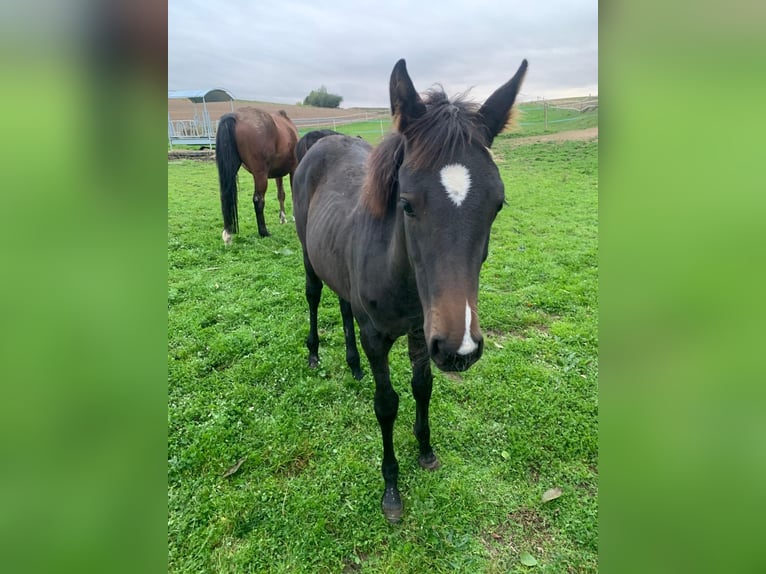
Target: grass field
point(306, 497)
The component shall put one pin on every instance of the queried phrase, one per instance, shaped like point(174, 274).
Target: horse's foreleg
point(313, 296)
point(376, 346)
point(259, 201)
point(422, 382)
point(281, 196)
point(352, 353)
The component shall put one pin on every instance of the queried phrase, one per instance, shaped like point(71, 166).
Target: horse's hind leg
point(259, 201)
point(422, 382)
point(281, 196)
point(352, 353)
point(313, 296)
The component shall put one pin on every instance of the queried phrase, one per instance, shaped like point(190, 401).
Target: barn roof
point(198, 96)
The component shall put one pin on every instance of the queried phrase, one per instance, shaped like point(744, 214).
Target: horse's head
point(449, 193)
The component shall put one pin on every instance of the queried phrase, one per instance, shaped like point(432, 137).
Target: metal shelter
point(200, 130)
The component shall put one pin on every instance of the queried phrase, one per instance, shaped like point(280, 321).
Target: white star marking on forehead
point(457, 181)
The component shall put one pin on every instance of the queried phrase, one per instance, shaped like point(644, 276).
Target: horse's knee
point(422, 386)
point(386, 405)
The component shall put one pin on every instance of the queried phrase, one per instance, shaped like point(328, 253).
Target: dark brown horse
point(265, 144)
point(305, 143)
point(400, 233)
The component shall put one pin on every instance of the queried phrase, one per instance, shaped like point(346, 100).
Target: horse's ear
point(497, 109)
point(406, 104)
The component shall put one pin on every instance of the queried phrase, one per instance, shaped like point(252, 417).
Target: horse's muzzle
point(450, 360)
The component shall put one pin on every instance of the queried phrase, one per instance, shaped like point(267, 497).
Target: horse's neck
point(398, 243)
point(398, 260)
point(385, 281)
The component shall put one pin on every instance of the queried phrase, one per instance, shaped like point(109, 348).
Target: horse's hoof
point(393, 515)
point(429, 462)
point(226, 236)
point(392, 506)
point(264, 234)
point(313, 362)
point(358, 374)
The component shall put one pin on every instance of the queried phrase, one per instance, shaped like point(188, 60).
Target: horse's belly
point(327, 245)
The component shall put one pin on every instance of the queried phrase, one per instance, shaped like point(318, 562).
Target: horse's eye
point(407, 207)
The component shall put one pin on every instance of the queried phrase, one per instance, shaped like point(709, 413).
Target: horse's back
point(266, 141)
point(308, 140)
point(255, 121)
point(332, 171)
point(326, 189)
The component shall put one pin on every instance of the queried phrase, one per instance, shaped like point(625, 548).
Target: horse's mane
point(445, 129)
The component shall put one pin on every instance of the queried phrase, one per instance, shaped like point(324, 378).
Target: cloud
point(281, 50)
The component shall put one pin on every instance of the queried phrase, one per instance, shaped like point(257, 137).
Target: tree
point(321, 98)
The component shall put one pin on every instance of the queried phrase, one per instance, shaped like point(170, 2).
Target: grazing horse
point(265, 144)
point(305, 143)
point(400, 234)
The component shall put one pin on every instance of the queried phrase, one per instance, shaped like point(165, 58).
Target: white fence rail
point(382, 119)
point(340, 120)
point(192, 132)
point(198, 132)
point(191, 129)
point(583, 106)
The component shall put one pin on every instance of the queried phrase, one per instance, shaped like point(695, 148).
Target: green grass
point(531, 120)
point(307, 497)
point(370, 131)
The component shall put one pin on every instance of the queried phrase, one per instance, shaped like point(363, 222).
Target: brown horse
point(265, 144)
point(400, 233)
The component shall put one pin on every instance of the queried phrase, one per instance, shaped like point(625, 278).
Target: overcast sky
point(280, 50)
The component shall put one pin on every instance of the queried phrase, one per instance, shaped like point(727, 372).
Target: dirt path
point(574, 135)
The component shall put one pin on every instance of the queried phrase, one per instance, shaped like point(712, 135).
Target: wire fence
point(195, 131)
point(365, 123)
point(372, 124)
point(549, 109)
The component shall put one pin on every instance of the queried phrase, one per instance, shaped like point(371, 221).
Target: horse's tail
point(228, 161)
